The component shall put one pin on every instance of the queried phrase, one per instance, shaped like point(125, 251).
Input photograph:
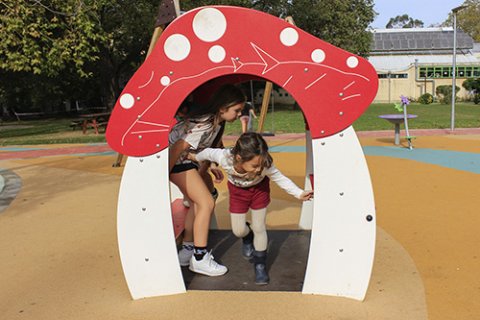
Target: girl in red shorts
point(250, 168)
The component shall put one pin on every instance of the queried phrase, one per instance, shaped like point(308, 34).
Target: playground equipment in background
point(201, 50)
point(398, 119)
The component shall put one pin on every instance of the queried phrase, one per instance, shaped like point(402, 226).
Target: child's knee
point(238, 232)
point(206, 205)
point(258, 228)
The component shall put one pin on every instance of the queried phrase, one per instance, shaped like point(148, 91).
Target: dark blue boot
point(259, 262)
point(247, 244)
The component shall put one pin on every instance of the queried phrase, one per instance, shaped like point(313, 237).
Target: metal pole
point(454, 64)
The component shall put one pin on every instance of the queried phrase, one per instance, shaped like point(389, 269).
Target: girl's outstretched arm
point(213, 154)
point(286, 184)
point(306, 195)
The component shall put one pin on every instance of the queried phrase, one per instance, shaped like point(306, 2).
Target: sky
point(429, 11)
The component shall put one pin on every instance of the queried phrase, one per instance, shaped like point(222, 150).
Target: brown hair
point(226, 96)
point(249, 145)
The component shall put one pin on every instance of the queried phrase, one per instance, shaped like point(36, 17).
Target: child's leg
point(186, 252)
point(260, 242)
point(260, 239)
point(239, 225)
point(192, 185)
point(241, 229)
point(244, 122)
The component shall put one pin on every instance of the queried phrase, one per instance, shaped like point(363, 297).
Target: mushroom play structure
point(219, 44)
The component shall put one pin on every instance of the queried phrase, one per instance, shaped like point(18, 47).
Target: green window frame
point(444, 72)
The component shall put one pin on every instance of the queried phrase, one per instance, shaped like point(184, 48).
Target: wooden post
point(167, 12)
point(266, 100)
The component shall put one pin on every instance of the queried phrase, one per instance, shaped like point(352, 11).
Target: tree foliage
point(42, 37)
point(468, 19)
point(84, 49)
point(342, 23)
point(404, 21)
point(57, 50)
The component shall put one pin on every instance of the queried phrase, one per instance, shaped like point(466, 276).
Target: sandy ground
point(59, 256)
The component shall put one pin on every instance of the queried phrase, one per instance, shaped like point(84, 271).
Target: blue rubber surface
point(465, 161)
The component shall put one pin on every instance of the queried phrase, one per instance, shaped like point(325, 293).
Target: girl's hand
point(217, 173)
point(191, 156)
point(306, 195)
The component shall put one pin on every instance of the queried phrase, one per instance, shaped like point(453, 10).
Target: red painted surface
point(53, 152)
point(231, 44)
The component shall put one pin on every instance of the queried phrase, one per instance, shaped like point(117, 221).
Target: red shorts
point(256, 197)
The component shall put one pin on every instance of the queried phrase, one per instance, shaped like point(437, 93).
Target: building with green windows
point(414, 61)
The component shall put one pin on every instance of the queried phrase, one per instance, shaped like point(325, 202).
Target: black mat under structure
point(286, 262)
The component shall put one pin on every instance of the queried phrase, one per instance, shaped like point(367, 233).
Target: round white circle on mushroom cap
point(177, 47)
point(127, 101)
point(209, 24)
point(352, 62)
point(289, 37)
point(216, 54)
point(318, 55)
point(165, 81)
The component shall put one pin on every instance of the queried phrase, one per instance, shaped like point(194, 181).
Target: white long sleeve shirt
point(224, 158)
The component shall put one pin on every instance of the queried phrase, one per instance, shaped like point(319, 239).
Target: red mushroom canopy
point(332, 86)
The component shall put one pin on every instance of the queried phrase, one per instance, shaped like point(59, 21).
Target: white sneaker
point(207, 266)
point(184, 256)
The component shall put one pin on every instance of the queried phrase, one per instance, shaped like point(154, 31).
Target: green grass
point(433, 116)
point(46, 131)
point(283, 120)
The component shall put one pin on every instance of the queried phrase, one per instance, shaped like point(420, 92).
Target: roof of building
point(418, 40)
point(398, 63)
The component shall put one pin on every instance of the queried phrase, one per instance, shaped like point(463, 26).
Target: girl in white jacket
point(249, 169)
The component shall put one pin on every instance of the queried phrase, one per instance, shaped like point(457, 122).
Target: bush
point(425, 98)
point(476, 98)
point(445, 93)
point(472, 85)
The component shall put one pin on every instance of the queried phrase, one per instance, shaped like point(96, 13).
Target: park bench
point(103, 125)
point(76, 123)
point(29, 115)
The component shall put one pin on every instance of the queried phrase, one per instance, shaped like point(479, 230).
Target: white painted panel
point(306, 215)
point(145, 231)
point(342, 244)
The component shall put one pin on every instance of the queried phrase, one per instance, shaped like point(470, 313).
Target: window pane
point(430, 72)
point(469, 72)
point(422, 72)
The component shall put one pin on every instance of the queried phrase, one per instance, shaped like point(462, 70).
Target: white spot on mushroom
point(352, 62)
point(289, 36)
point(209, 24)
point(127, 101)
point(318, 55)
point(177, 47)
point(165, 81)
point(216, 54)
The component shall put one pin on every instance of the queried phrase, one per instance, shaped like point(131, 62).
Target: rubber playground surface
point(59, 256)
